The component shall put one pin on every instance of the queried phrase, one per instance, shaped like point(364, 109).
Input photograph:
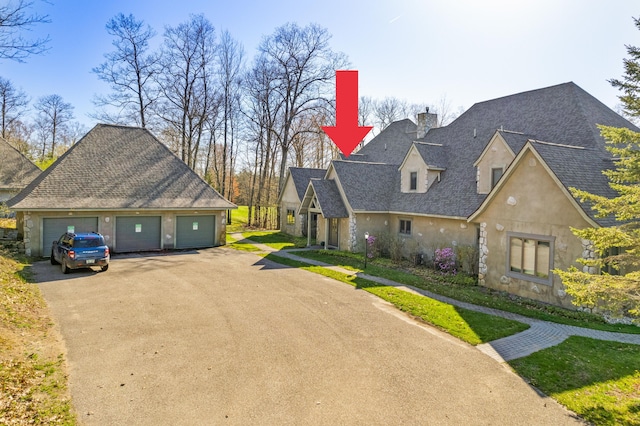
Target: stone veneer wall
point(483, 250)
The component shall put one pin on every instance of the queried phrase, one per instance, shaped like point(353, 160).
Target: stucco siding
point(289, 200)
point(497, 155)
point(529, 203)
point(413, 163)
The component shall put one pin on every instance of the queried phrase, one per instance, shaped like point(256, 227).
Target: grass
point(238, 219)
point(598, 380)
point(463, 288)
point(472, 327)
point(275, 239)
point(33, 382)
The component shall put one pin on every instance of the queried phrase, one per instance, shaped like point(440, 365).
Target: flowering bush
point(445, 261)
point(371, 248)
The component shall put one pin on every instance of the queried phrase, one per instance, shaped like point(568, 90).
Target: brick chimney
point(426, 121)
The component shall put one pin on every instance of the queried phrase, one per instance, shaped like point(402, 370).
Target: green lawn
point(598, 380)
point(461, 288)
point(276, 239)
point(238, 219)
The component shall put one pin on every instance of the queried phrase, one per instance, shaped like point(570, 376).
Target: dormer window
point(496, 174)
point(413, 181)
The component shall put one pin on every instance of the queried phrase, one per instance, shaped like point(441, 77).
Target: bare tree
point(15, 18)
point(13, 105)
point(128, 70)
point(185, 82)
point(230, 57)
point(304, 66)
point(53, 116)
point(388, 110)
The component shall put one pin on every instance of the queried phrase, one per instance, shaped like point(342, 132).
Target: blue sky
point(466, 50)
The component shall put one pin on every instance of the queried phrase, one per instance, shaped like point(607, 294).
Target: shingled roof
point(564, 116)
point(329, 198)
point(118, 167)
point(389, 146)
point(301, 177)
point(16, 170)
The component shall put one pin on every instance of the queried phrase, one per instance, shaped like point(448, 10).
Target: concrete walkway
point(541, 334)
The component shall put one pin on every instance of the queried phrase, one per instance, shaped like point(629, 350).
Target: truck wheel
point(53, 259)
point(104, 268)
point(64, 268)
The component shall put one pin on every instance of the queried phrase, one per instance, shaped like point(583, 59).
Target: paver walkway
point(540, 335)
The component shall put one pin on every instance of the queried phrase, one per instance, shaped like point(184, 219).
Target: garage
point(53, 228)
point(195, 231)
point(138, 233)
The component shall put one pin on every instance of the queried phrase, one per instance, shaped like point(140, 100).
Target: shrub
point(445, 261)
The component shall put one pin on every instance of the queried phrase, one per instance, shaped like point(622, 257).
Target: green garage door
point(53, 228)
point(137, 233)
point(195, 231)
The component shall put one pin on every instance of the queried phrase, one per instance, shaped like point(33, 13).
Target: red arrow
point(346, 134)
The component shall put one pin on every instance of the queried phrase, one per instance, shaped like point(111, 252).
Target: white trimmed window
point(530, 257)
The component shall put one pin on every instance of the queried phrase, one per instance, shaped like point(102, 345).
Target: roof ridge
point(557, 144)
point(428, 143)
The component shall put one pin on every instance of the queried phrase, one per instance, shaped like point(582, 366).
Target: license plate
point(90, 261)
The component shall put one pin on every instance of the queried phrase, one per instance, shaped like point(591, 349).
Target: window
point(608, 267)
point(413, 181)
point(405, 226)
point(496, 174)
point(291, 216)
point(530, 257)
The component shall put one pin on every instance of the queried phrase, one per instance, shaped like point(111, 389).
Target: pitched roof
point(301, 177)
point(118, 167)
point(367, 186)
point(16, 170)
point(329, 198)
point(579, 168)
point(434, 156)
point(390, 145)
point(563, 114)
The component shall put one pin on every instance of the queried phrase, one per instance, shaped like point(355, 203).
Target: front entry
point(333, 232)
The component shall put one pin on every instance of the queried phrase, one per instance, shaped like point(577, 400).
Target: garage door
point(53, 228)
point(195, 231)
point(137, 233)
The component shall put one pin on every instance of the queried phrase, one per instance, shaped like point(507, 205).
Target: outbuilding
point(124, 183)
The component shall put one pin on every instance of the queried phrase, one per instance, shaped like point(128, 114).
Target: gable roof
point(389, 146)
point(118, 167)
point(563, 114)
point(434, 155)
point(328, 196)
point(16, 170)
point(301, 177)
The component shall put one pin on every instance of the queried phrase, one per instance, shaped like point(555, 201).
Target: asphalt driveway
point(225, 337)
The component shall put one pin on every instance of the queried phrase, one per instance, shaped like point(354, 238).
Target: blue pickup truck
point(82, 250)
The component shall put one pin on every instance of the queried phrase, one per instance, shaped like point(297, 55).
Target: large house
point(124, 183)
point(495, 180)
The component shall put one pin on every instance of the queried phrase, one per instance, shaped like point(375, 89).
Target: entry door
point(333, 232)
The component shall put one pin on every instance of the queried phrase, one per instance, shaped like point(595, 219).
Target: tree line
point(238, 123)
